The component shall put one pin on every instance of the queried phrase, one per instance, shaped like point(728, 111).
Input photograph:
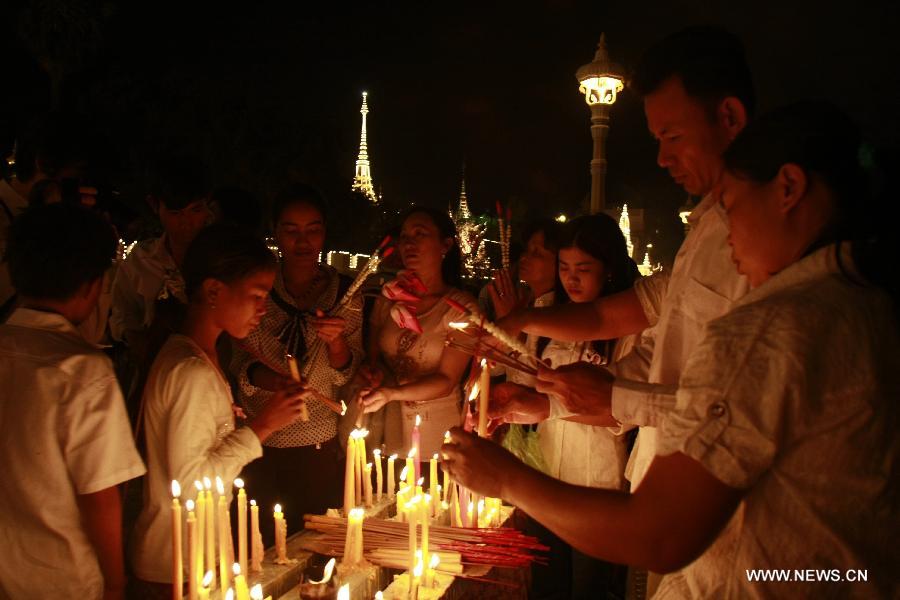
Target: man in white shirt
point(67, 442)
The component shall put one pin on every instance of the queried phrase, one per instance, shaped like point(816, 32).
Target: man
point(67, 442)
point(697, 96)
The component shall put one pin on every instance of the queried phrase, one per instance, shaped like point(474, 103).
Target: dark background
point(268, 94)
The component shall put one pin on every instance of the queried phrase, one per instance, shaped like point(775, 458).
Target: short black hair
point(709, 61)
point(298, 193)
point(55, 249)
point(178, 181)
point(552, 230)
point(225, 252)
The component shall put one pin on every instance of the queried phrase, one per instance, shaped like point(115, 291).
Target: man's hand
point(478, 464)
point(514, 403)
point(584, 389)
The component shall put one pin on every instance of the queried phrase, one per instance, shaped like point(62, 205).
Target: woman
point(189, 412)
point(300, 468)
point(424, 374)
point(785, 412)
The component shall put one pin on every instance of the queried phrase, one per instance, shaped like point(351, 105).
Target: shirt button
point(716, 410)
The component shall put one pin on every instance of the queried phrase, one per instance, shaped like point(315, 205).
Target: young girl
point(424, 374)
point(300, 467)
point(189, 412)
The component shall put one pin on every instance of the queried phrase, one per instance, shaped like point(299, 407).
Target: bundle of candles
point(207, 522)
point(505, 226)
point(470, 338)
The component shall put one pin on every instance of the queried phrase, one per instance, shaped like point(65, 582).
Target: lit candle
point(415, 447)
point(193, 565)
point(349, 468)
point(242, 524)
point(484, 398)
point(433, 476)
point(241, 591)
point(447, 479)
point(210, 527)
point(361, 465)
point(207, 582)
point(390, 475)
point(454, 505)
point(256, 592)
point(344, 592)
point(353, 538)
point(222, 513)
point(177, 564)
point(280, 536)
point(367, 481)
point(411, 462)
point(433, 563)
point(411, 509)
point(379, 483)
point(256, 544)
point(295, 375)
point(201, 532)
point(426, 508)
point(416, 578)
point(470, 515)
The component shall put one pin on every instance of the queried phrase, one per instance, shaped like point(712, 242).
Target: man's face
point(691, 140)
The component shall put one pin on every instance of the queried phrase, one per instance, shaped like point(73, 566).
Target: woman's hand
point(329, 329)
point(282, 409)
point(372, 400)
point(514, 403)
point(505, 294)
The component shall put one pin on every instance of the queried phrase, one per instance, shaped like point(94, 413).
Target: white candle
point(415, 447)
point(433, 476)
point(379, 483)
point(242, 524)
point(446, 474)
point(367, 483)
point(484, 398)
point(207, 582)
point(177, 563)
point(349, 477)
point(353, 538)
point(193, 565)
point(201, 531)
point(295, 375)
point(426, 508)
point(222, 513)
point(241, 591)
point(256, 544)
point(210, 527)
point(411, 508)
point(280, 536)
point(390, 475)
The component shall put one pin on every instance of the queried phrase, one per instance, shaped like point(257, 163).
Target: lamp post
point(600, 81)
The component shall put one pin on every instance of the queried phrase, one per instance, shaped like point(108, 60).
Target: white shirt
point(792, 397)
point(579, 453)
point(703, 285)
point(147, 273)
point(65, 433)
point(190, 431)
point(15, 204)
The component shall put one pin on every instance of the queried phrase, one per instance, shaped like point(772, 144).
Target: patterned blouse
point(285, 329)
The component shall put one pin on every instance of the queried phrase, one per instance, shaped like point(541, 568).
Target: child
point(67, 442)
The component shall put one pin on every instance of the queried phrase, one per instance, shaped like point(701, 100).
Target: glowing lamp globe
point(601, 79)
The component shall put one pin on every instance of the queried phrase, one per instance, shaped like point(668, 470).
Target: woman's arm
point(429, 387)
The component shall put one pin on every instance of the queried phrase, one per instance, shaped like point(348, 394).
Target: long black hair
point(451, 266)
point(821, 139)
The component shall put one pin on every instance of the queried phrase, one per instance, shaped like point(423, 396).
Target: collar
point(819, 264)
point(44, 321)
point(708, 201)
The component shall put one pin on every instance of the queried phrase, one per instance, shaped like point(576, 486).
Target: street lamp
point(600, 81)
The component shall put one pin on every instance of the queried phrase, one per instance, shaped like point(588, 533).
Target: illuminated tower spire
point(362, 180)
point(625, 226)
point(462, 212)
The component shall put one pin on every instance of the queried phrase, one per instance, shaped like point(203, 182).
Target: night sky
point(267, 96)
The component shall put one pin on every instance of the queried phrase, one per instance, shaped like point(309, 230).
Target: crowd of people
point(735, 412)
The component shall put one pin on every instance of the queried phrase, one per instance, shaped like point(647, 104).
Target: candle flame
point(236, 569)
point(418, 420)
point(198, 485)
point(207, 579)
point(256, 592)
point(176, 489)
point(207, 483)
point(239, 483)
point(220, 488)
point(435, 560)
point(253, 503)
point(368, 466)
point(481, 505)
point(343, 408)
point(357, 513)
point(403, 473)
point(379, 595)
point(278, 508)
point(458, 325)
point(392, 457)
point(376, 453)
point(483, 363)
point(420, 481)
point(447, 436)
point(344, 592)
point(412, 453)
point(417, 572)
point(229, 595)
point(190, 505)
point(474, 393)
point(326, 574)
point(435, 457)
